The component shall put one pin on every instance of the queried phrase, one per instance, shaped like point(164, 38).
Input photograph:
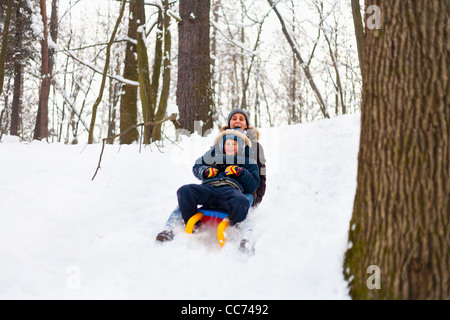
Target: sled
point(210, 217)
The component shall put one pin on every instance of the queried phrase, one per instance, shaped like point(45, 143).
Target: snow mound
point(63, 236)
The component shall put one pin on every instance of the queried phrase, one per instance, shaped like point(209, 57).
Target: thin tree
point(304, 66)
point(399, 240)
point(165, 90)
point(359, 29)
point(105, 72)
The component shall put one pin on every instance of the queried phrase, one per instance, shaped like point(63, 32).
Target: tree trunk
point(41, 128)
point(194, 72)
point(359, 29)
point(400, 225)
point(17, 98)
point(18, 76)
point(157, 62)
point(339, 89)
point(54, 35)
point(128, 101)
point(5, 43)
point(114, 96)
point(162, 108)
point(144, 71)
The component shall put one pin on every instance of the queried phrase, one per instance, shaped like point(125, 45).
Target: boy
point(228, 172)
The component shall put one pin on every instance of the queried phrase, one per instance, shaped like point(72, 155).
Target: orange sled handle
point(220, 230)
point(192, 221)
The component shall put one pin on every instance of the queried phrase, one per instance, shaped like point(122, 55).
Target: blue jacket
point(247, 182)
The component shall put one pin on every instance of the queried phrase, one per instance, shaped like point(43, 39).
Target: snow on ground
point(63, 236)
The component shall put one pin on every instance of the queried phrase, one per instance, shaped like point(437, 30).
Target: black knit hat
point(232, 113)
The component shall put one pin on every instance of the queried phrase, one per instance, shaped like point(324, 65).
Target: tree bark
point(144, 71)
point(18, 76)
point(41, 128)
point(401, 209)
point(359, 30)
point(5, 43)
point(162, 108)
point(17, 98)
point(157, 63)
point(128, 101)
point(53, 34)
point(194, 94)
point(105, 72)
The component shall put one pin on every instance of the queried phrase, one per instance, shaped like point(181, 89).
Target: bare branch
point(305, 67)
point(172, 118)
point(96, 69)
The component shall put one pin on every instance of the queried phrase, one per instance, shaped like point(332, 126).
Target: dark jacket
point(258, 154)
point(247, 182)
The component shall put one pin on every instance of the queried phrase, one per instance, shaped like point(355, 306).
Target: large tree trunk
point(18, 76)
point(194, 97)
point(401, 214)
point(144, 72)
point(128, 101)
point(4, 43)
point(41, 128)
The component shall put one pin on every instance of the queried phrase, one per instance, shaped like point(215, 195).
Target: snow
point(63, 236)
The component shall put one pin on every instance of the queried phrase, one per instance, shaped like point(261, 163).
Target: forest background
point(252, 67)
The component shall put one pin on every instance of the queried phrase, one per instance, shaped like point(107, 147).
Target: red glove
point(210, 172)
point(236, 170)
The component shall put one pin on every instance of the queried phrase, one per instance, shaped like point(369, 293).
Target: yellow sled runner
point(211, 217)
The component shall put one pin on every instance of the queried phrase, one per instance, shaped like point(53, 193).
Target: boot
point(165, 235)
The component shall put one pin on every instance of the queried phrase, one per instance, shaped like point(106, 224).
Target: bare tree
point(105, 72)
point(165, 90)
point(304, 66)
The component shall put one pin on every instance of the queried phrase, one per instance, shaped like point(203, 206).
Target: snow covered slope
point(64, 236)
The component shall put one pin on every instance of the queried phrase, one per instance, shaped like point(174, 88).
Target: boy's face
point(238, 121)
point(231, 147)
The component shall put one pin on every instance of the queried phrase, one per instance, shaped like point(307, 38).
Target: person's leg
point(237, 204)
point(174, 219)
point(192, 195)
point(167, 234)
point(249, 197)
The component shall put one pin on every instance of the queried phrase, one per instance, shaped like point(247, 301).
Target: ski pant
point(225, 198)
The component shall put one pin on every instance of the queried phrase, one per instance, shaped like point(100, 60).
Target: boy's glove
point(210, 172)
point(236, 170)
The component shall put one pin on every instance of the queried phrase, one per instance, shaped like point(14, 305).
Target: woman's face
point(238, 121)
